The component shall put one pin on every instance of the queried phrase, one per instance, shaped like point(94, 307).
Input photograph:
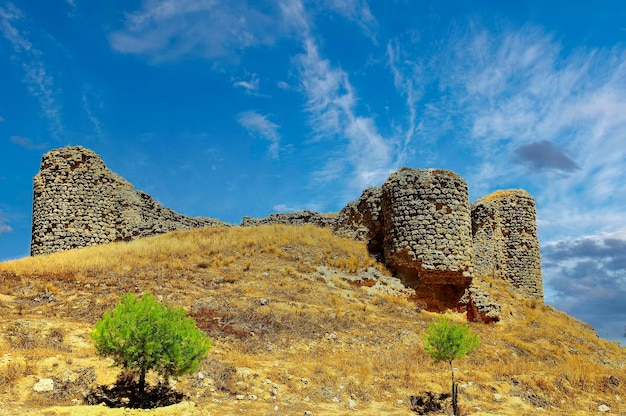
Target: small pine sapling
point(141, 335)
point(446, 341)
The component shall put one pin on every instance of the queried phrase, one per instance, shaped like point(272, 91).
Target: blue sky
point(233, 108)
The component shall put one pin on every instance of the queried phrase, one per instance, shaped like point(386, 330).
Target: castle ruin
point(419, 223)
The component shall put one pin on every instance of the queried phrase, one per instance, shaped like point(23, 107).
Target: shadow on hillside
point(125, 393)
point(429, 402)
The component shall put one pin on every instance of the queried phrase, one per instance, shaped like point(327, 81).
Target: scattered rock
point(351, 404)
point(44, 384)
point(603, 408)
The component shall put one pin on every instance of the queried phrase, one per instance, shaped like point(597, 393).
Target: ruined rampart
point(78, 202)
point(419, 223)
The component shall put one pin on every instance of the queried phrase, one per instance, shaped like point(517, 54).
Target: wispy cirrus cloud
point(408, 80)
point(4, 225)
point(357, 11)
point(26, 143)
point(365, 155)
point(260, 126)
point(2, 119)
point(250, 86)
point(358, 152)
point(515, 94)
point(87, 99)
point(38, 80)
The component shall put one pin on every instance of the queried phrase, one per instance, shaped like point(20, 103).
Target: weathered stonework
point(292, 218)
point(419, 224)
point(427, 226)
point(504, 232)
point(363, 220)
point(79, 202)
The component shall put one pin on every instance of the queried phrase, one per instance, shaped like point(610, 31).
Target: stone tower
point(78, 201)
point(427, 227)
point(505, 239)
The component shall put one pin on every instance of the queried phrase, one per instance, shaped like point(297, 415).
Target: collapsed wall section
point(78, 202)
point(504, 229)
point(362, 220)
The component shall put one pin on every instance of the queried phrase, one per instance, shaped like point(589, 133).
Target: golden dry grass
point(288, 336)
point(503, 194)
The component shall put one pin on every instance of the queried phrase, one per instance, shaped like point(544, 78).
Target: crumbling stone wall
point(504, 230)
point(420, 224)
point(362, 220)
point(293, 218)
point(79, 202)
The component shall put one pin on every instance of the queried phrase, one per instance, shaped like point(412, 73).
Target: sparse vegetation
point(446, 341)
point(283, 334)
point(141, 334)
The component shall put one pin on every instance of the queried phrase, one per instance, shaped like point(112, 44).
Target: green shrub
point(446, 341)
point(143, 334)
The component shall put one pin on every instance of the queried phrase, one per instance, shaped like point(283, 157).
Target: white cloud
point(365, 156)
point(283, 208)
point(504, 91)
point(26, 143)
point(4, 226)
point(251, 86)
point(357, 11)
point(39, 82)
point(259, 125)
point(168, 29)
point(408, 80)
point(2, 120)
point(73, 6)
point(95, 121)
point(284, 86)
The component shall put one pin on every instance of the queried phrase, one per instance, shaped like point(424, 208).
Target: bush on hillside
point(143, 335)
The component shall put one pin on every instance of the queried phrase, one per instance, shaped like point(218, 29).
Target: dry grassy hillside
point(289, 337)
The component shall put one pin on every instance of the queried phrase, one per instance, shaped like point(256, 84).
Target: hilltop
point(302, 320)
